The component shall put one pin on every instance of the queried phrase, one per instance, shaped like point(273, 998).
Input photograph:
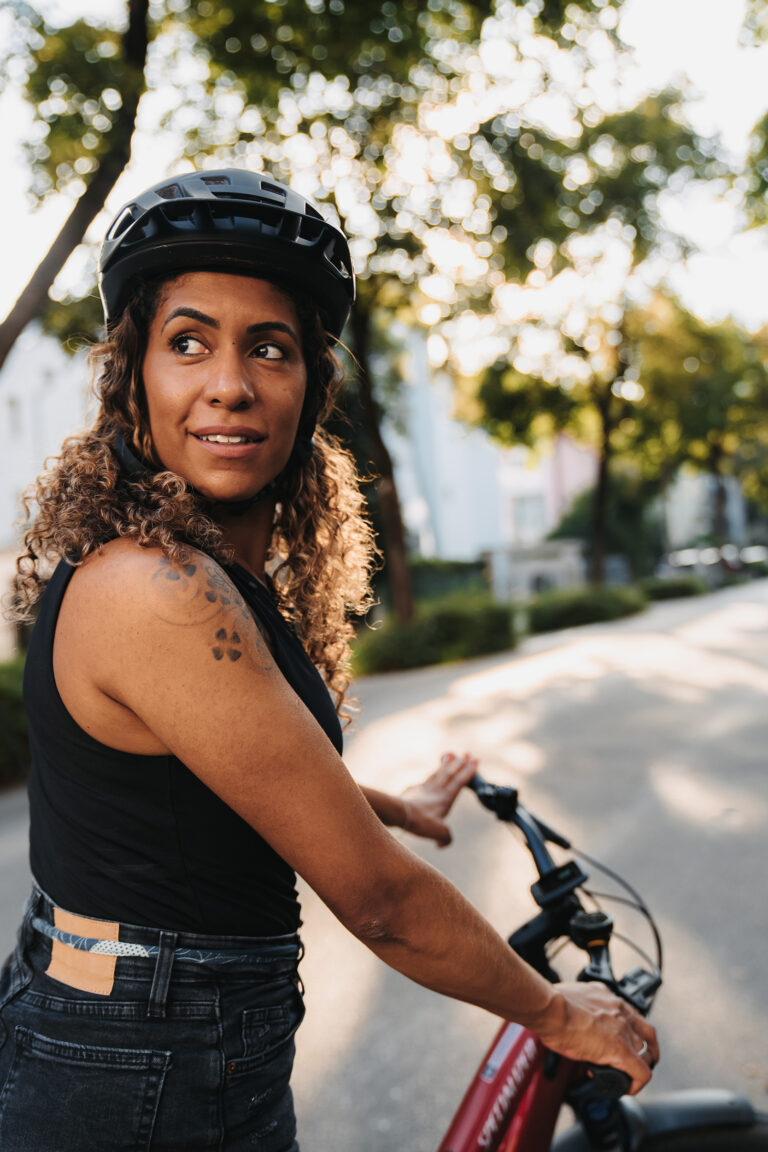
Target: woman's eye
point(268, 352)
point(187, 345)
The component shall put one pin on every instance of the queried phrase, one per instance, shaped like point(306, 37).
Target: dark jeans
point(190, 1052)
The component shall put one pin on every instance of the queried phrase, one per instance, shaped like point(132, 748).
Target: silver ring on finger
point(642, 1051)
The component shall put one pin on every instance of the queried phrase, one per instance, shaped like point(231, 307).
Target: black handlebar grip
point(608, 1082)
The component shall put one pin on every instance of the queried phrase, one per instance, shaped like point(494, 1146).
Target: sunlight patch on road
point(492, 713)
point(703, 1009)
point(704, 802)
point(400, 749)
point(735, 625)
point(663, 660)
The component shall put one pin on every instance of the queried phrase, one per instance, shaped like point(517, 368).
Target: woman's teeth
point(219, 439)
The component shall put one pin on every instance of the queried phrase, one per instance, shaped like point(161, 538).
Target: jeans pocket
point(67, 1097)
point(257, 1096)
point(265, 1030)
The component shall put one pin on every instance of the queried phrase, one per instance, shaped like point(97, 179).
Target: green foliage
point(632, 522)
point(521, 409)
point(76, 84)
point(14, 749)
point(299, 86)
point(605, 179)
point(672, 587)
point(74, 322)
point(440, 633)
point(437, 579)
point(623, 162)
point(570, 607)
point(705, 394)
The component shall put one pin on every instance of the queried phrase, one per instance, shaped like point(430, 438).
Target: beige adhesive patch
point(87, 971)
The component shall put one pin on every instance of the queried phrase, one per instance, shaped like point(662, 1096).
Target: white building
point(464, 495)
point(43, 398)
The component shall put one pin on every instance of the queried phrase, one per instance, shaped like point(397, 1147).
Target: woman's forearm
point(391, 810)
point(423, 927)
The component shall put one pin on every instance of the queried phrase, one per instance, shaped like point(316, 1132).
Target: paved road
point(645, 740)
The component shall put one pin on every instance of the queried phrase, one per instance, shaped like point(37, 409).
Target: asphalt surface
point(645, 742)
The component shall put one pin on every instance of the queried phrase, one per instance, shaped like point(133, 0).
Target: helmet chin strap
point(131, 466)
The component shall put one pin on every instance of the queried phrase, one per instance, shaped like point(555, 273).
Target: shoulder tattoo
point(199, 592)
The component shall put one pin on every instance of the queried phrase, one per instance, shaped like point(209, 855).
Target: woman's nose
point(229, 382)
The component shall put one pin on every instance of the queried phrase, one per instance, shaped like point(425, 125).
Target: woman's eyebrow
point(272, 326)
point(193, 314)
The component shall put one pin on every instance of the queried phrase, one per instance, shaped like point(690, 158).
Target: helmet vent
point(267, 201)
point(215, 179)
point(170, 192)
point(122, 222)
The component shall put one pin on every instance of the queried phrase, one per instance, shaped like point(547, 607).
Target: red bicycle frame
point(514, 1100)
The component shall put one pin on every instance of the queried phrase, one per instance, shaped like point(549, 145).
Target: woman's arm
point(422, 808)
point(178, 646)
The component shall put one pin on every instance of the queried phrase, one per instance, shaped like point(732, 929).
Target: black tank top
point(140, 839)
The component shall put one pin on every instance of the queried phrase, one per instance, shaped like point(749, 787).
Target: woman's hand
point(587, 1022)
point(427, 804)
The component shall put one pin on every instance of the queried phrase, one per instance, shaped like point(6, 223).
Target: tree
point(704, 400)
point(88, 81)
point(633, 527)
point(597, 221)
point(293, 85)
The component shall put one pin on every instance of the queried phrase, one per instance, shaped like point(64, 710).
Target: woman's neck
point(249, 534)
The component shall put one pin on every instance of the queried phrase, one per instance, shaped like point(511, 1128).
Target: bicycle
point(513, 1103)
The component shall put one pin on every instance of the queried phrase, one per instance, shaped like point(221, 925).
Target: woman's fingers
point(648, 1035)
point(645, 1042)
point(430, 802)
point(455, 771)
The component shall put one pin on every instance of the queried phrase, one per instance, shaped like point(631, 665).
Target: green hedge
point(439, 634)
point(436, 580)
point(670, 587)
point(14, 749)
point(569, 607)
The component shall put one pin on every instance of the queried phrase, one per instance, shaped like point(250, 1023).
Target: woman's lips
point(231, 443)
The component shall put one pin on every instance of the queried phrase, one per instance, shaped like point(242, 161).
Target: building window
point(530, 518)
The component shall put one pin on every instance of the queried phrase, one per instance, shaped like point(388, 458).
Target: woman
point(186, 752)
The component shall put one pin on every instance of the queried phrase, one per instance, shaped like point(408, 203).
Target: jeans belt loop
point(162, 977)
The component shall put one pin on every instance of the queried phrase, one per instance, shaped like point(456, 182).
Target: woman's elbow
point(381, 917)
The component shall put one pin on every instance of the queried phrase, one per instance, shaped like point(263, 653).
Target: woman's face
point(224, 377)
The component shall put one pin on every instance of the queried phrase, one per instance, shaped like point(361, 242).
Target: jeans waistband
point(138, 941)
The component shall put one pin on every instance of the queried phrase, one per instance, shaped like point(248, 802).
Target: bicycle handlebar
point(562, 915)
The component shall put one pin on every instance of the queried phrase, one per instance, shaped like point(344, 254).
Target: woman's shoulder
point(127, 607)
point(124, 577)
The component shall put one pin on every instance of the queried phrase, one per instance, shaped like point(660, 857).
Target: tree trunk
point(719, 500)
point(395, 549)
point(34, 296)
point(600, 502)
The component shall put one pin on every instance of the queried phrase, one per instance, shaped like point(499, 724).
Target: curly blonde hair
point(321, 552)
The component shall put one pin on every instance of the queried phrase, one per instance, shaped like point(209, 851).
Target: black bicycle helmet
point(228, 220)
